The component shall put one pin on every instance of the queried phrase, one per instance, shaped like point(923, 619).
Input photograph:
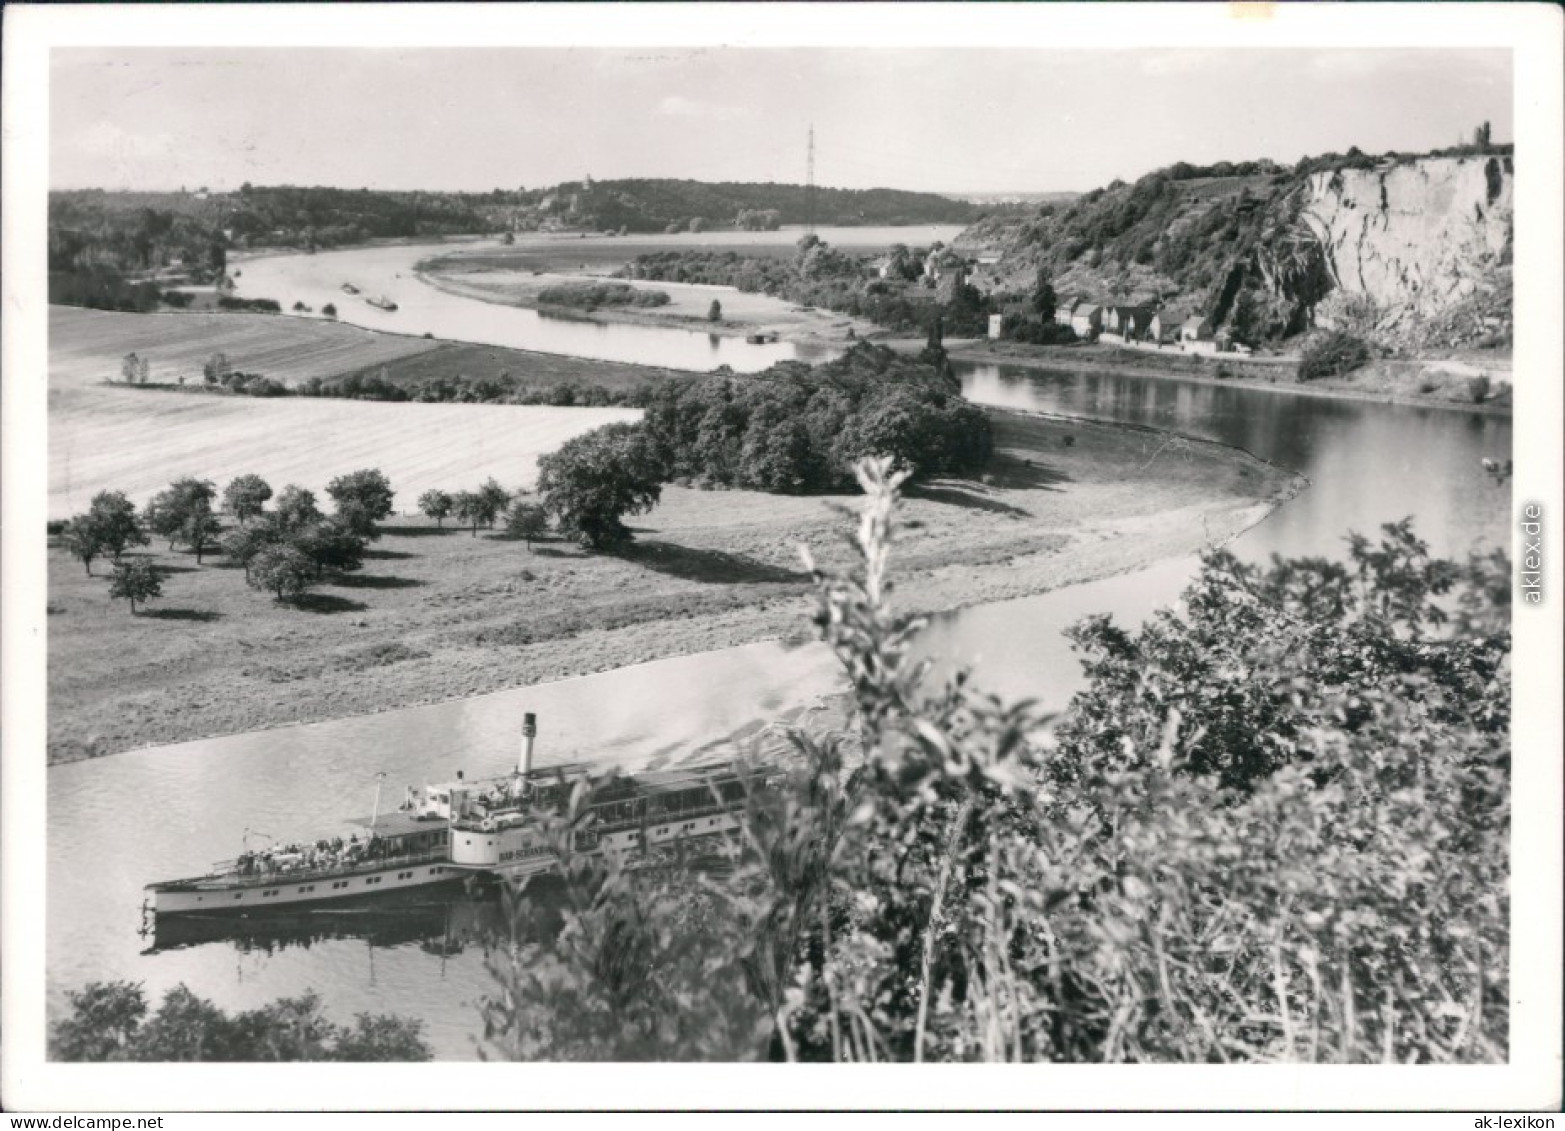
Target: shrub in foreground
point(1331, 353)
point(1274, 827)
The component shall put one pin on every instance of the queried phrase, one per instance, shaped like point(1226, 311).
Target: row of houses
point(1131, 323)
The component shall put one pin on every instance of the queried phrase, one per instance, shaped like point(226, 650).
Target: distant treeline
point(819, 275)
point(589, 296)
point(656, 205)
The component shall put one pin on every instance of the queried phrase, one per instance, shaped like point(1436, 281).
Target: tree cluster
point(590, 296)
point(294, 546)
point(794, 429)
point(285, 550)
point(819, 275)
point(111, 1021)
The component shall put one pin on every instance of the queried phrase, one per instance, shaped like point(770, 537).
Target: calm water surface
point(161, 813)
point(1368, 464)
point(317, 280)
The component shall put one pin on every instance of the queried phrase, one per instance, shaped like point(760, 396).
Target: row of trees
point(111, 1021)
point(285, 550)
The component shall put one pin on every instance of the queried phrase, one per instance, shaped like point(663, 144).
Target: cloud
point(678, 106)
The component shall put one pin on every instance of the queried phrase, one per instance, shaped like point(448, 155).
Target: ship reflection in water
point(442, 921)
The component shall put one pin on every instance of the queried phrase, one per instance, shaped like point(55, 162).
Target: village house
point(1162, 328)
point(1127, 322)
point(1195, 329)
point(1087, 319)
point(1136, 323)
point(942, 263)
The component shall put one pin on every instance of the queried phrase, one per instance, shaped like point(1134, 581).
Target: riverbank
point(439, 614)
point(1435, 382)
point(743, 314)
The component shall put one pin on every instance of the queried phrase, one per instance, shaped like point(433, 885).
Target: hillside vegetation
point(1406, 250)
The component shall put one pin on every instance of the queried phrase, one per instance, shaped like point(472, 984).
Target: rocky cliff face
point(1408, 251)
point(1405, 247)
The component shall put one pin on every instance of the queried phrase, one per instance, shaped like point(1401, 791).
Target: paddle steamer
point(504, 826)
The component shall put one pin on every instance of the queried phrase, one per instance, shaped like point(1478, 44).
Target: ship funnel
point(529, 732)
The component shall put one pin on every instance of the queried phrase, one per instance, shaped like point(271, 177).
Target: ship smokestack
point(529, 732)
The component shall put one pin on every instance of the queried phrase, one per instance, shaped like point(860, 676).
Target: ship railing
point(227, 873)
point(504, 818)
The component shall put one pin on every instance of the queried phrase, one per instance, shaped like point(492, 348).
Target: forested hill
point(1409, 249)
point(145, 230)
point(655, 205)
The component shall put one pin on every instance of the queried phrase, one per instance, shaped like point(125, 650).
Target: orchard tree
point(474, 508)
point(174, 509)
point(331, 545)
point(217, 370)
point(330, 310)
point(282, 569)
point(246, 496)
point(134, 581)
point(295, 509)
point(436, 504)
point(363, 498)
point(241, 544)
point(527, 521)
point(496, 499)
point(714, 313)
point(116, 523)
point(201, 531)
point(594, 480)
point(130, 368)
point(82, 540)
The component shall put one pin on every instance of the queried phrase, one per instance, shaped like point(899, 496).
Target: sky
point(962, 120)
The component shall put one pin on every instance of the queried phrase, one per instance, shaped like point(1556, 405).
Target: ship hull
point(224, 897)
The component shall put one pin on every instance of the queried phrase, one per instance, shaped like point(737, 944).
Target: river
point(317, 280)
point(118, 823)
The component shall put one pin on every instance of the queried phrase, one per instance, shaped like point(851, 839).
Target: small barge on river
point(454, 831)
point(382, 302)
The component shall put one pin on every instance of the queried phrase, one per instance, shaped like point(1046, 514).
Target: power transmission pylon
point(809, 185)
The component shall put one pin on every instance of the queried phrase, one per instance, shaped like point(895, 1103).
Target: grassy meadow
point(440, 613)
point(87, 346)
point(458, 359)
point(137, 441)
point(114, 437)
